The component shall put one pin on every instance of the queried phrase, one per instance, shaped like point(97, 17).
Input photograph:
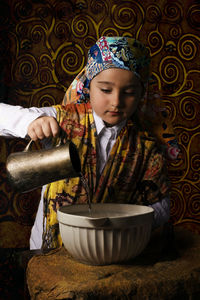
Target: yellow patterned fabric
point(134, 173)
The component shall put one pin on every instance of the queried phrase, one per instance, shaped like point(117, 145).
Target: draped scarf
point(134, 161)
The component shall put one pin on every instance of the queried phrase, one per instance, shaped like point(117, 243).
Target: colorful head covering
point(128, 54)
point(118, 52)
point(110, 52)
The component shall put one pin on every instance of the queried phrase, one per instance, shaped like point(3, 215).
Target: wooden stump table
point(169, 268)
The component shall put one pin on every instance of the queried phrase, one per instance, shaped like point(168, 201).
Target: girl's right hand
point(43, 127)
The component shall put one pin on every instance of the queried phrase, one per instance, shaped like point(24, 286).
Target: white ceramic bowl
point(110, 233)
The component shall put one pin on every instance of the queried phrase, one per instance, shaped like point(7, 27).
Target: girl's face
point(114, 95)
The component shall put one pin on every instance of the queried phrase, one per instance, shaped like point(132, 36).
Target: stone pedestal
point(169, 268)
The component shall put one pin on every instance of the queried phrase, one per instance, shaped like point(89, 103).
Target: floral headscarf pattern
point(118, 52)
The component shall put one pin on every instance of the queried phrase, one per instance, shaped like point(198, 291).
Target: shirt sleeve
point(161, 212)
point(14, 120)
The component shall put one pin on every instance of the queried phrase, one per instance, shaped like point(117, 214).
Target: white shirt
point(106, 137)
point(14, 122)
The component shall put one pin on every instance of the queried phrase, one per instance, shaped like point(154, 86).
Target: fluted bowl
point(109, 233)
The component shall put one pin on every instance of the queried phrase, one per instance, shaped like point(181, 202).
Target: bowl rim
point(144, 215)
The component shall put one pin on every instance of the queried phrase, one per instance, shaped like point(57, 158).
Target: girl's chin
point(110, 123)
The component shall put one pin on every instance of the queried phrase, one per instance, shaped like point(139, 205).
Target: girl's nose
point(117, 100)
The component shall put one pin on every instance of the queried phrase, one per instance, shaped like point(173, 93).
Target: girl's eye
point(130, 92)
point(106, 91)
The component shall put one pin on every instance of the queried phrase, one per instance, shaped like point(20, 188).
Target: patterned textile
point(129, 54)
point(118, 52)
point(134, 173)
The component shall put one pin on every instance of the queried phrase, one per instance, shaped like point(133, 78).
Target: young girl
point(102, 115)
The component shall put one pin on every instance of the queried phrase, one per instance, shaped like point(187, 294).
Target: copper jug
point(30, 169)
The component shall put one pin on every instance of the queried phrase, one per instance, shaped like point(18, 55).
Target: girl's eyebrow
point(106, 82)
point(131, 85)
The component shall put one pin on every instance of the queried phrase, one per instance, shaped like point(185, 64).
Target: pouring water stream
point(87, 189)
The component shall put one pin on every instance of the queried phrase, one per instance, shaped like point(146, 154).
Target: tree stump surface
point(169, 268)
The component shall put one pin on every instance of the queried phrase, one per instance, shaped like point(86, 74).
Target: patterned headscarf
point(128, 54)
point(110, 52)
point(118, 52)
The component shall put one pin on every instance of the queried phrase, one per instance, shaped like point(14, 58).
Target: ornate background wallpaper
point(43, 45)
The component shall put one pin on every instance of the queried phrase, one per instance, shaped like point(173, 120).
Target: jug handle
point(27, 148)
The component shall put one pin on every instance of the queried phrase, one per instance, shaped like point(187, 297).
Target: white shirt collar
point(100, 125)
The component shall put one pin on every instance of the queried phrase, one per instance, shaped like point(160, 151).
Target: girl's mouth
point(115, 113)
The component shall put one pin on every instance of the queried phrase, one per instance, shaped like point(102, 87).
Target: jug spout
point(29, 170)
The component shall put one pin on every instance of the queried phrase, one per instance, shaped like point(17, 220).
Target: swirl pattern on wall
point(44, 45)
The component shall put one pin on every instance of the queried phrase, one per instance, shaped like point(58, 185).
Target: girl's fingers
point(32, 135)
point(46, 128)
point(54, 127)
point(39, 132)
point(43, 127)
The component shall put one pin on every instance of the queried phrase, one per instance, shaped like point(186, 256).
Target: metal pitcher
point(29, 170)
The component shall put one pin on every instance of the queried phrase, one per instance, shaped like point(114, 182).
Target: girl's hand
point(43, 127)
